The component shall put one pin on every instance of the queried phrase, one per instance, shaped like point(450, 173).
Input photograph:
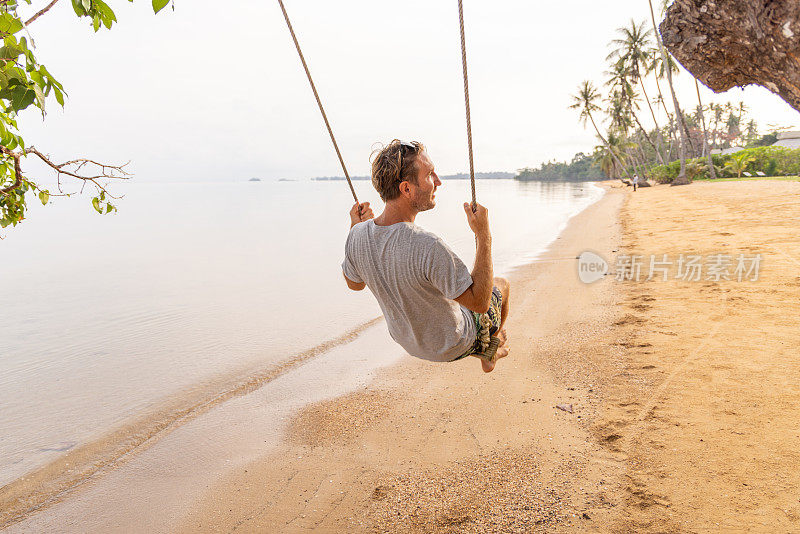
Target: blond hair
point(395, 163)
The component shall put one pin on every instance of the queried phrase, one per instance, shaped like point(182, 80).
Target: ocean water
point(196, 287)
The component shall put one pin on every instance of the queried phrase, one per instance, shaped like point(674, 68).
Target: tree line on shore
point(679, 146)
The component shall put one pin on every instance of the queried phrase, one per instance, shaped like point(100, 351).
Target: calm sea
point(106, 318)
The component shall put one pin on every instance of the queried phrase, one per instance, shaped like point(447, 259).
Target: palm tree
point(633, 54)
point(742, 110)
point(606, 161)
point(681, 179)
point(618, 114)
point(718, 112)
point(638, 156)
point(738, 163)
point(586, 101)
point(733, 128)
point(618, 81)
point(751, 131)
point(658, 68)
point(611, 153)
point(712, 173)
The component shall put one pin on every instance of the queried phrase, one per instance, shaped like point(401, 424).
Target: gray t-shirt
point(415, 277)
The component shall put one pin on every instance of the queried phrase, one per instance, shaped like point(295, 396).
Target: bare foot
point(502, 335)
point(488, 367)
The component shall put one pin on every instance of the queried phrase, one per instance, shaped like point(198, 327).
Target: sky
point(208, 93)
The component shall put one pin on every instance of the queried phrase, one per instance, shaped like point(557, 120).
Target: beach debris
point(565, 407)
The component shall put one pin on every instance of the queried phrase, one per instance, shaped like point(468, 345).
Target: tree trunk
point(681, 179)
point(645, 174)
point(711, 172)
point(603, 139)
point(650, 141)
point(692, 150)
point(738, 42)
point(672, 139)
point(655, 122)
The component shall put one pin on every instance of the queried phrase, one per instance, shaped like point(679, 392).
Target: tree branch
point(42, 12)
point(17, 171)
point(107, 171)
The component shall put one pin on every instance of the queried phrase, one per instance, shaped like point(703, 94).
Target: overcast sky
point(218, 93)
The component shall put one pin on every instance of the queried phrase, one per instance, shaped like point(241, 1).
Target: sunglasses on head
point(400, 154)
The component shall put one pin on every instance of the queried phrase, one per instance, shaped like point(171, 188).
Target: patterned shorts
point(487, 324)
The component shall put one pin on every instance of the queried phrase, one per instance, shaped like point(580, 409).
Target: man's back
point(415, 277)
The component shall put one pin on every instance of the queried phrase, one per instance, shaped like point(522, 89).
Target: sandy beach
point(446, 447)
point(703, 414)
point(646, 406)
point(230, 306)
point(684, 398)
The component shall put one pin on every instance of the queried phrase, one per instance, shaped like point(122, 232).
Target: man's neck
point(394, 213)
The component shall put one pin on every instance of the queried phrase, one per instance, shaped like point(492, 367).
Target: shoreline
point(347, 456)
point(48, 484)
point(685, 398)
point(149, 372)
point(684, 402)
point(63, 479)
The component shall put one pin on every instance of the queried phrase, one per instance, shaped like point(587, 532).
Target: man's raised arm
point(358, 213)
point(477, 296)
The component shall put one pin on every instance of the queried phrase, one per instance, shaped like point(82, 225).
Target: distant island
point(254, 180)
point(460, 176)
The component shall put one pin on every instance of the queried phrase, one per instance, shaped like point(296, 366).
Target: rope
point(466, 99)
point(319, 102)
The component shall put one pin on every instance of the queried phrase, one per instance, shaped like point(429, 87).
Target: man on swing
point(434, 307)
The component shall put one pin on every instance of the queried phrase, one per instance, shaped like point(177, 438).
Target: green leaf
point(87, 5)
point(77, 5)
point(39, 97)
point(22, 97)
point(158, 5)
point(37, 78)
point(96, 22)
point(10, 51)
point(16, 74)
point(109, 207)
point(96, 204)
point(9, 24)
point(44, 196)
point(47, 74)
point(106, 13)
point(59, 96)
